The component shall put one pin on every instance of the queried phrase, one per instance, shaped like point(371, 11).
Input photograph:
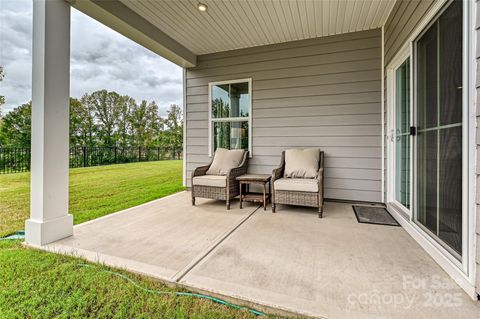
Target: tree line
point(2, 98)
point(103, 119)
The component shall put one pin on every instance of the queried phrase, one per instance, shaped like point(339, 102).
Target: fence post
point(84, 156)
point(115, 155)
point(139, 153)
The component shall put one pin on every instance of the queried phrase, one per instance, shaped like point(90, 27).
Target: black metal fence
point(15, 160)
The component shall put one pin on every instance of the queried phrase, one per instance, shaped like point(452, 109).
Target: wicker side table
point(252, 179)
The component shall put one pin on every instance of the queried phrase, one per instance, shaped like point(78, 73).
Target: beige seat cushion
point(224, 160)
point(297, 184)
point(302, 163)
point(210, 180)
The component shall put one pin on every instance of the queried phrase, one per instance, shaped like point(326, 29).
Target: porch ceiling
point(229, 25)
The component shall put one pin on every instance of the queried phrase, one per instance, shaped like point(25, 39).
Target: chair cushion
point(210, 180)
point(302, 163)
point(224, 160)
point(297, 184)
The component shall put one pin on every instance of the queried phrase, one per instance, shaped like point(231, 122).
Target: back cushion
point(302, 163)
point(224, 160)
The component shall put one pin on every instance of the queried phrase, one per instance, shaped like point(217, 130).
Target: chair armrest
point(320, 175)
point(200, 171)
point(320, 179)
point(277, 173)
point(233, 173)
point(237, 171)
point(321, 164)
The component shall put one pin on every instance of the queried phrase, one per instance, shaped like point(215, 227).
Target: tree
point(2, 98)
point(145, 123)
point(87, 128)
point(106, 119)
point(106, 106)
point(172, 136)
point(2, 101)
point(78, 119)
point(16, 127)
point(124, 127)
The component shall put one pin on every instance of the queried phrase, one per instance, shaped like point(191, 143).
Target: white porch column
point(49, 218)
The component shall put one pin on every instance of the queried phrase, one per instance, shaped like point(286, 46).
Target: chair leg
point(320, 212)
point(228, 205)
point(193, 201)
point(273, 208)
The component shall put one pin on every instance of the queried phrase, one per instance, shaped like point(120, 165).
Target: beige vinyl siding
point(321, 92)
point(403, 19)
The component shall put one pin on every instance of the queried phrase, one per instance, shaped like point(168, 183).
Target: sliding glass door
point(439, 140)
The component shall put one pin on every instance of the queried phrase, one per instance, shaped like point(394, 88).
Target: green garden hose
point(21, 235)
point(18, 235)
point(178, 293)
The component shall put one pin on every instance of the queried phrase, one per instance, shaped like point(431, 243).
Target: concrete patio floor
point(330, 268)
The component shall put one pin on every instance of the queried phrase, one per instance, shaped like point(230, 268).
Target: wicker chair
point(300, 198)
point(232, 188)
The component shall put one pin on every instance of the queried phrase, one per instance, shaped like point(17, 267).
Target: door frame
point(395, 63)
point(463, 272)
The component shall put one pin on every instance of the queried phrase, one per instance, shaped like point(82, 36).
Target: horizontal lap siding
point(314, 93)
point(400, 24)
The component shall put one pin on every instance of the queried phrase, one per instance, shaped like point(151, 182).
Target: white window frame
point(211, 120)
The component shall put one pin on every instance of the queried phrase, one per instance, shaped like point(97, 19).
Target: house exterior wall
point(323, 92)
point(404, 17)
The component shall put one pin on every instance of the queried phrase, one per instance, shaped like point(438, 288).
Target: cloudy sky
point(100, 59)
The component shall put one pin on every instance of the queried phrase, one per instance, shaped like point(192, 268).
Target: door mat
point(374, 215)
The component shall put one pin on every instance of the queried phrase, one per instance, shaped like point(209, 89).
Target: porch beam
point(49, 218)
point(119, 17)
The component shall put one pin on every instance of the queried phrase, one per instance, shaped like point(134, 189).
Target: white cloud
point(100, 59)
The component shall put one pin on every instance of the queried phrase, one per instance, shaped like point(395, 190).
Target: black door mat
point(374, 215)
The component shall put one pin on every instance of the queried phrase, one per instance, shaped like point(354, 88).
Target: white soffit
point(235, 24)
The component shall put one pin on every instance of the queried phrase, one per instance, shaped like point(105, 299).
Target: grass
point(37, 284)
point(94, 191)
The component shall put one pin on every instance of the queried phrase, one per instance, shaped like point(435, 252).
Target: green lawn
point(37, 284)
point(94, 191)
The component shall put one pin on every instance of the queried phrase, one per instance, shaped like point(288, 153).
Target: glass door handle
point(413, 130)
